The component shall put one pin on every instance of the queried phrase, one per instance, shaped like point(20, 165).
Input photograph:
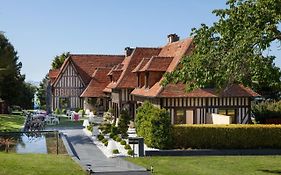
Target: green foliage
point(127, 146)
point(57, 111)
point(115, 151)
point(42, 91)
point(232, 50)
point(63, 111)
point(58, 60)
point(111, 135)
point(114, 130)
point(123, 123)
point(267, 110)
point(130, 152)
point(154, 125)
point(118, 139)
point(105, 143)
point(226, 136)
point(90, 127)
point(100, 137)
point(82, 112)
point(115, 137)
point(123, 142)
point(13, 89)
point(104, 140)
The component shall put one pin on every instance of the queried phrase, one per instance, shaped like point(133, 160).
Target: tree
point(42, 91)
point(232, 49)
point(11, 80)
point(59, 60)
point(123, 123)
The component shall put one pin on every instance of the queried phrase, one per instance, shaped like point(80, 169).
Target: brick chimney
point(173, 38)
point(128, 51)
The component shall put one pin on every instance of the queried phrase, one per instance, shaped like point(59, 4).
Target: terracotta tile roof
point(87, 64)
point(141, 65)
point(127, 78)
point(176, 50)
point(53, 74)
point(157, 63)
point(97, 84)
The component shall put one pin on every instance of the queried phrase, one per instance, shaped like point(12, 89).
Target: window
point(179, 117)
point(229, 112)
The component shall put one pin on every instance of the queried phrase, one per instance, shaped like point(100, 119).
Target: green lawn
point(38, 164)
point(212, 165)
point(11, 122)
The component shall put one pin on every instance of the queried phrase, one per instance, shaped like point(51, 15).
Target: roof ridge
point(96, 55)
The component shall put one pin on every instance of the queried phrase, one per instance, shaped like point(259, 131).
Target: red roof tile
point(97, 84)
point(141, 65)
point(157, 63)
point(128, 79)
point(176, 50)
point(53, 74)
point(87, 64)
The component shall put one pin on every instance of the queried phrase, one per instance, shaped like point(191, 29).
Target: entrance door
point(189, 117)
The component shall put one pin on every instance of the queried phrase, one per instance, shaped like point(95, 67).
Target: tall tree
point(59, 59)
point(232, 49)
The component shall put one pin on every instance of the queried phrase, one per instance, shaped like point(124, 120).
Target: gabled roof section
point(176, 50)
point(98, 83)
point(143, 62)
point(53, 75)
point(127, 78)
point(235, 90)
point(85, 64)
point(157, 63)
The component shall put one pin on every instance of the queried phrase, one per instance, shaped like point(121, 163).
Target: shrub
point(267, 110)
point(111, 135)
point(104, 140)
point(123, 123)
point(123, 142)
point(114, 130)
point(90, 127)
point(127, 146)
point(105, 143)
point(130, 152)
point(63, 111)
point(115, 137)
point(100, 137)
point(57, 111)
point(115, 151)
point(154, 125)
point(118, 139)
point(226, 136)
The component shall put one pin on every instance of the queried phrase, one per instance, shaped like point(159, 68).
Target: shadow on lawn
point(271, 171)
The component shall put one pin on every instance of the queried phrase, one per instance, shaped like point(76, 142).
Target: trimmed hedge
point(267, 110)
point(226, 136)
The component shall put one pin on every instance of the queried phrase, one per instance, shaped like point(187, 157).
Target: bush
point(130, 152)
point(267, 110)
point(127, 146)
point(111, 135)
point(123, 142)
point(114, 130)
point(154, 125)
point(105, 143)
point(115, 137)
point(115, 151)
point(104, 140)
point(57, 111)
point(90, 127)
point(226, 136)
point(118, 139)
point(63, 111)
point(123, 123)
point(100, 137)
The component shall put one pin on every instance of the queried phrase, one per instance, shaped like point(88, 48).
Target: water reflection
point(32, 144)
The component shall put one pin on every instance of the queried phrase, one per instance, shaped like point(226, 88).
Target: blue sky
point(39, 30)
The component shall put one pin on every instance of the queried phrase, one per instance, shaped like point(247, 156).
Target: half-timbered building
point(196, 107)
point(75, 76)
